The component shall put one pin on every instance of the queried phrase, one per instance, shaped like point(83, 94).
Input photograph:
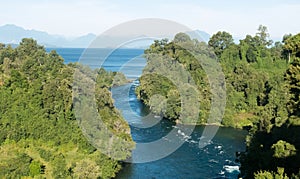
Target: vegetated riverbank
point(39, 132)
point(262, 92)
point(252, 82)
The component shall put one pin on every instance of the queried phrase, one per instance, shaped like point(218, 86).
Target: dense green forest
point(262, 93)
point(40, 137)
point(39, 134)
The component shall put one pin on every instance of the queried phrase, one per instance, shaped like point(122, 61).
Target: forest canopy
point(39, 134)
point(262, 93)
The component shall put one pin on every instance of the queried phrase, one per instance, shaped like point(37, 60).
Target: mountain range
point(12, 34)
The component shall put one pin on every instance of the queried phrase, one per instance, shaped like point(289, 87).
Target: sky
point(78, 17)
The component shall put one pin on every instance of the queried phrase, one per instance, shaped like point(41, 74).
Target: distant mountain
point(12, 34)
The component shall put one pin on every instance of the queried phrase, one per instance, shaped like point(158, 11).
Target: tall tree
point(292, 77)
point(249, 49)
point(286, 52)
point(264, 36)
point(286, 37)
point(181, 37)
point(220, 41)
point(292, 46)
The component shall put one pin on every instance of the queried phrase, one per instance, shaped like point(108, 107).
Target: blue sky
point(78, 17)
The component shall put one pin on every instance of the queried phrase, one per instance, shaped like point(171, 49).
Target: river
point(216, 160)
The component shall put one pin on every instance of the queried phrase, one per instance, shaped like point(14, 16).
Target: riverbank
point(245, 125)
point(188, 161)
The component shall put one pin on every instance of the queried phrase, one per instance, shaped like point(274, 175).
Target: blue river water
point(215, 160)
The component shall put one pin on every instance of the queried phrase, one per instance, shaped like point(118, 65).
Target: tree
point(35, 168)
point(292, 77)
point(292, 46)
point(249, 49)
point(277, 51)
point(87, 169)
point(283, 149)
point(37, 124)
point(251, 55)
point(286, 37)
point(2, 46)
point(264, 36)
point(220, 41)
point(271, 175)
point(285, 51)
point(181, 37)
point(28, 47)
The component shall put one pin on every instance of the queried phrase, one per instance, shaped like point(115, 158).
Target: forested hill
point(262, 93)
point(39, 134)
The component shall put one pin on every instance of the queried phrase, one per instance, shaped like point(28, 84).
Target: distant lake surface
point(128, 61)
point(216, 160)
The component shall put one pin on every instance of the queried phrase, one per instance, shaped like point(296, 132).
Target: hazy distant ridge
point(12, 34)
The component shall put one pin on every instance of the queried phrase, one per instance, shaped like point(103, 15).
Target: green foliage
point(220, 41)
point(292, 44)
point(262, 93)
point(119, 79)
point(264, 36)
point(283, 149)
point(291, 47)
point(274, 141)
point(271, 175)
point(251, 70)
point(171, 74)
point(269, 150)
point(35, 168)
point(15, 166)
point(293, 78)
point(39, 134)
point(86, 169)
point(181, 37)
